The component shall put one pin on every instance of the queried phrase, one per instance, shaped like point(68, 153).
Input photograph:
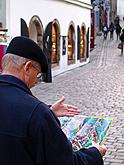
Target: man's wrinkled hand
point(61, 109)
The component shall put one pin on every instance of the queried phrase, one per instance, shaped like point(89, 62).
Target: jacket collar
point(12, 80)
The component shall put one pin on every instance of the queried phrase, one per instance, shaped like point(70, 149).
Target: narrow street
point(97, 89)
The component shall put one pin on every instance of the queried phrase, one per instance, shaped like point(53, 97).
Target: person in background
point(122, 41)
point(105, 32)
point(117, 20)
point(30, 132)
point(118, 30)
point(111, 29)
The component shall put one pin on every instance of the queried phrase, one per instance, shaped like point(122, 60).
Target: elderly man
point(30, 133)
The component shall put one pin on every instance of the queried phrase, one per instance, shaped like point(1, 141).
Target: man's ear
point(27, 66)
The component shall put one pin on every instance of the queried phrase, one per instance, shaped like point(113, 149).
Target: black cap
point(25, 47)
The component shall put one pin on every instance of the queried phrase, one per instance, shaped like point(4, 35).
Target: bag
point(105, 29)
point(120, 45)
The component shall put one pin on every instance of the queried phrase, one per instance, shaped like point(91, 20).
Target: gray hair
point(13, 62)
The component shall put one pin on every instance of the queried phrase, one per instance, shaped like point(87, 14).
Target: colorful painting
point(83, 130)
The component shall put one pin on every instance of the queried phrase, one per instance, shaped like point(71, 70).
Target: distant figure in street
point(122, 40)
point(105, 32)
point(117, 20)
point(111, 29)
point(118, 30)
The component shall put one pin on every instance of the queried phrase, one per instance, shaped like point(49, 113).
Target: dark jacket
point(30, 133)
point(111, 28)
point(118, 29)
point(122, 37)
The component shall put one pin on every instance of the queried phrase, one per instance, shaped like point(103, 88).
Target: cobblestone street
point(97, 89)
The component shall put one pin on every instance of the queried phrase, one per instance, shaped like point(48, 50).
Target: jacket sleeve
point(89, 156)
point(51, 146)
point(122, 37)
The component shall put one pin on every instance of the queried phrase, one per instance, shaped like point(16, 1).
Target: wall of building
point(47, 11)
point(3, 13)
point(113, 13)
point(85, 1)
point(120, 8)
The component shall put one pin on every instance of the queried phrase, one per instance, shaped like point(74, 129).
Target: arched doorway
point(36, 30)
point(71, 44)
point(55, 43)
point(82, 42)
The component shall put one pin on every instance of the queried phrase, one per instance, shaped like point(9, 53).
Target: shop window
point(3, 37)
point(55, 44)
point(71, 45)
point(82, 43)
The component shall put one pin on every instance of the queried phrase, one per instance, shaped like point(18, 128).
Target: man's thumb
point(62, 99)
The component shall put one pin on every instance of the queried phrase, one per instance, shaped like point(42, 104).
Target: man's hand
point(102, 148)
point(61, 109)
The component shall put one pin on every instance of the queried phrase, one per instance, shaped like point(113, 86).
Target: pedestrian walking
point(105, 32)
point(111, 30)
point(122, 41)
point(30, 132)
point(118, 31)
point(117, 20)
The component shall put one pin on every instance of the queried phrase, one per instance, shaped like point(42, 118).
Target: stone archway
point(36, 30)
point(71, 44)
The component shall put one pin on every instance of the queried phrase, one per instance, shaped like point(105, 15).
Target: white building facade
point(120, 8)
point(60, 27)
